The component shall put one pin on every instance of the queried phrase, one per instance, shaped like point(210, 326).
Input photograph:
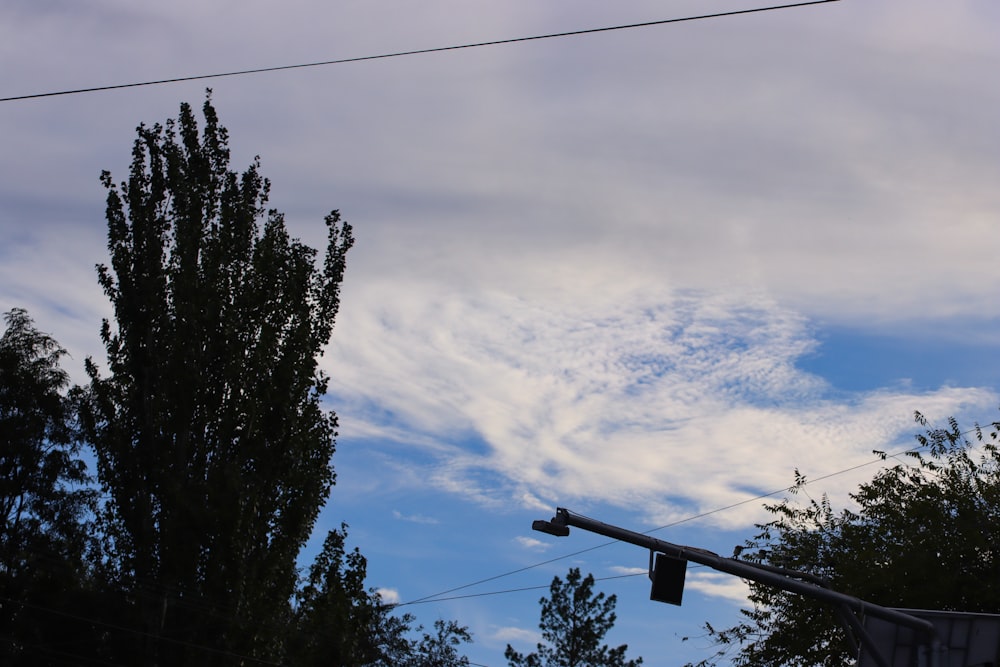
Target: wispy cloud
point(515, 635)
point(414, 518)
point(532, 544)
point(675, 401)
point(718, 584)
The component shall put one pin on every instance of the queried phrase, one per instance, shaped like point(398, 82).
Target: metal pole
point(786, 580)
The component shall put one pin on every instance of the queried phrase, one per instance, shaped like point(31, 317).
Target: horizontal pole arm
point(787, 580)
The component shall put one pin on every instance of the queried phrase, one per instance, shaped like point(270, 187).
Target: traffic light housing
point(667, 576)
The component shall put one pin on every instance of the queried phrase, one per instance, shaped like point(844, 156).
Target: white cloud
point(388, 595)
point(718, 584)
point(675, 401)
point(414, 518)
point(529, 501)
point(515, 635)
point(621, 569)
point(532, 544)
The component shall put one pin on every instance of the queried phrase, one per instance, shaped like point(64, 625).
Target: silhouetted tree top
point(574, 621)
point(211, 442)
point(925, 535)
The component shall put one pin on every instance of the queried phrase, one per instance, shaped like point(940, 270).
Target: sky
point(644, 274)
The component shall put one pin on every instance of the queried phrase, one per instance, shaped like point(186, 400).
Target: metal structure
point(970, 640)
point(667, 577)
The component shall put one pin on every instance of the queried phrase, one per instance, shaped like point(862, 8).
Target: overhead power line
point(398, 54)
point(519, 590)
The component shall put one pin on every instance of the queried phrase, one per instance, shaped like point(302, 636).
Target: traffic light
point(668, 579)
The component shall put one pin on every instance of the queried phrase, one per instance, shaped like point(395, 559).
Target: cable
point(518, 590)
point(427, 598)
point(398, 54)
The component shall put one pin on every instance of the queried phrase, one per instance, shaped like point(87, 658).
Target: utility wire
point(518, 590)
point(397, 54)
point(433, 598)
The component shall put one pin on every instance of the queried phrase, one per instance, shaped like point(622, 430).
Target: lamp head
point(556, 527)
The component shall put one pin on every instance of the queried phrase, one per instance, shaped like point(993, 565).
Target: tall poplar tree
point(212, 447)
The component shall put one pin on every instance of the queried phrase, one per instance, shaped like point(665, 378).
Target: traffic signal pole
point(850, 608)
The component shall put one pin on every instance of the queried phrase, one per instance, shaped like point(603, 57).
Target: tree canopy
point(574, 621)
point(210, 439)
point(45, 505)
point(40, 477)
point(925, 534)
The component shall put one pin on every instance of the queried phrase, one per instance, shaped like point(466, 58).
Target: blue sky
point(642, 274)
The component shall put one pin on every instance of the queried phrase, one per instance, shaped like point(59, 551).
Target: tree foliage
point(211, 443)
point(440, 648)
point(574, 622)
point(337, 620)
point(925, 534)
point(45, 507)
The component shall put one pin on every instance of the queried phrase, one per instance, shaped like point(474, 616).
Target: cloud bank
point(675, 401)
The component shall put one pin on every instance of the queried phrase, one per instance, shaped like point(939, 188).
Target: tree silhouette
point(211, 443)
point(925, 535)
point(574, 622)
point(45, 507)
